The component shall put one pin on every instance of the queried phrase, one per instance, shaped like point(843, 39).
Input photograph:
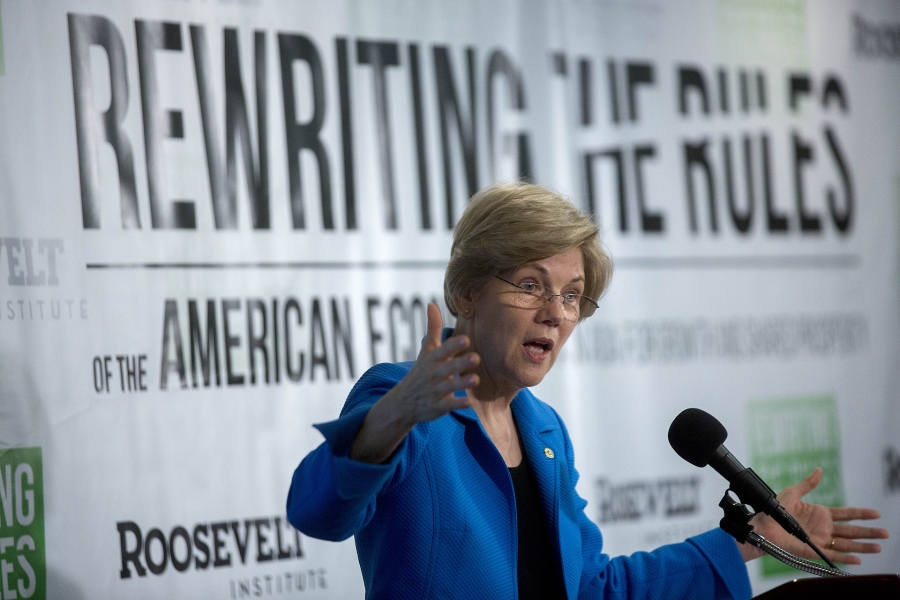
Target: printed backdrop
point(216, 214)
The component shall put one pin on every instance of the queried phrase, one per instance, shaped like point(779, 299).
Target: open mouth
point(538, 348)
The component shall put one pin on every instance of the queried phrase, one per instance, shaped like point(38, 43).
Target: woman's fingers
point(452, 403)
point(839, 540)
point(454, 384)
point(842, 558)
point(456, 366)
point(438, 350)
point(845, 541)
point(805, 486)
point(450, 348)
point(850, 546)
point(433, 328)
point(851, 513)
point(442, 369)
point(845, 551)
point(857, 532)
point(446, 361)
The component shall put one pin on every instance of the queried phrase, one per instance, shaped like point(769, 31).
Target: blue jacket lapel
point(541, 438)
point(543, 443)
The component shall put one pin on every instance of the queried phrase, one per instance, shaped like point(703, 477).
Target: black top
point(539, 569)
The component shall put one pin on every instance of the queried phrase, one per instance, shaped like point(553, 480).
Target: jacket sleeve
point(706, 566)
point(332, 496)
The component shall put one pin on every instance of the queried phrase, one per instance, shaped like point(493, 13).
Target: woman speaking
point(458, 483)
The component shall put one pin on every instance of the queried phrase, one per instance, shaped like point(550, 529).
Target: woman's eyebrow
point(536, 267)
point(543, 270)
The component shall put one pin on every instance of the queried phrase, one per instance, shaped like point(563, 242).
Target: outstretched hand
point(426, 393)
point(826, 526)
point(440, 370)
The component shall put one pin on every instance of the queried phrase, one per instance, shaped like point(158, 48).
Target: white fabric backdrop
point(297, 206)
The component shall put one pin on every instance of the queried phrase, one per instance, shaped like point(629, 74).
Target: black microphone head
point(695, 435)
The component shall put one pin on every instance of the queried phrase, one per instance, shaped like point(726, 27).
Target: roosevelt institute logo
point(788, 439)
point(23, 572)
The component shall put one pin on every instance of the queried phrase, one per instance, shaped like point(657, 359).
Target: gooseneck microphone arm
point(736, 523)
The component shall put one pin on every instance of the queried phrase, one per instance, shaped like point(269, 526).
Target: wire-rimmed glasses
point(533, 295)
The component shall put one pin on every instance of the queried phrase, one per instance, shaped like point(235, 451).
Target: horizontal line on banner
point(839, 261)
point(786, 262)
point(397, 264)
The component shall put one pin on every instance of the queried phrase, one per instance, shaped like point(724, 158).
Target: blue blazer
point(439, 519)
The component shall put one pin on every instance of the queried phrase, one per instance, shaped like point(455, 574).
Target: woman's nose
point(554, 310)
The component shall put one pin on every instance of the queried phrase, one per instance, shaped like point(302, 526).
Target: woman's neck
point(494, 407)
point(490, 393)
point(497, 419)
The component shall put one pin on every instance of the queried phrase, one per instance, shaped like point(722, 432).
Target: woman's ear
point(465, 304)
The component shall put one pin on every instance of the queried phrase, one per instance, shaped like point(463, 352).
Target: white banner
point(216, 215)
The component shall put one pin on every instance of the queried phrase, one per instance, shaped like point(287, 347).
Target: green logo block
point(788, 439)
point(23, 570)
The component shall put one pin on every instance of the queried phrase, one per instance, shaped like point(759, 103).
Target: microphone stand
point(736, 523)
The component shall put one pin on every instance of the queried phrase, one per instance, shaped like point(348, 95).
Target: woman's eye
point(528, 286)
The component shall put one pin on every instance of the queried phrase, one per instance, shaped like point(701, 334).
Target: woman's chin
point(533, 373)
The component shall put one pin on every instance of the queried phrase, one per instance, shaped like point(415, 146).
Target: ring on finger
point(831, 546)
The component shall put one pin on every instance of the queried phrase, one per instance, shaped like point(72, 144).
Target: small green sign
point(788, 439)
point(763, 32)
point(23, 570)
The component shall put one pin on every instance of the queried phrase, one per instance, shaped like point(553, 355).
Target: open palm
point(826, 526)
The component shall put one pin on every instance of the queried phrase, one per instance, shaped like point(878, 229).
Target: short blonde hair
point(506, 225)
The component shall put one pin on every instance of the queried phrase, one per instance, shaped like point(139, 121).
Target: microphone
point(697, 437)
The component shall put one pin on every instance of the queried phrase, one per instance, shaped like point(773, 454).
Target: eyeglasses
point(534, 295)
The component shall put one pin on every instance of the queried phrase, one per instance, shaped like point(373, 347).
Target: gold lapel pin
point(548, 452)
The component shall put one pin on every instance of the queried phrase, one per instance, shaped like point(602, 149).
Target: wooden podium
point(867, 587)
